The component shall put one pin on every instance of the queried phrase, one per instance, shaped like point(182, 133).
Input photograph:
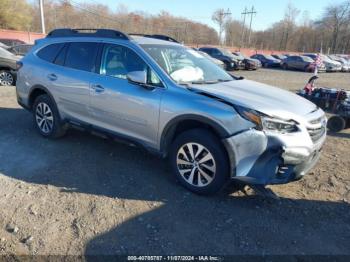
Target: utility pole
point(224, 14)
point(219, 17)
point(243, 27)
point(252, 12)
point(41, 5)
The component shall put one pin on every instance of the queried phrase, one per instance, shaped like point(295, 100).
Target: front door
point(120, 106)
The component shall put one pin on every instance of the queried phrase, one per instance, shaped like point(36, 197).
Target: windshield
point(225, 52)
point(270, 57)
point(185, 65)
point(307, 59)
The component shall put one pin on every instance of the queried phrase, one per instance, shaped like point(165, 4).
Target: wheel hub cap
point(196, 164)
point(6, 79)
point(44, 117)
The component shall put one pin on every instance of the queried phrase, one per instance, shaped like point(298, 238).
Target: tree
point(15, 14)
point(336, 18)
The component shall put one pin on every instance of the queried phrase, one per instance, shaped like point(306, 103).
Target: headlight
point(265, 123)
point(277, 125)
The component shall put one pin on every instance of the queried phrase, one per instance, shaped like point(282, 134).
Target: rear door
point(292, 62)
point(69, 79)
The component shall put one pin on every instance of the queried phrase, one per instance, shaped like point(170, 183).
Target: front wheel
point(199, 161)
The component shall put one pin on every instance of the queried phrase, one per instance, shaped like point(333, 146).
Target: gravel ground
point(85, 195)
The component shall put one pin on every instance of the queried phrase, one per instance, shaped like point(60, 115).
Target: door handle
point(52, 77)
point(98, 88)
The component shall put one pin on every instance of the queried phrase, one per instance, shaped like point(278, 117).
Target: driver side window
point(117, 61)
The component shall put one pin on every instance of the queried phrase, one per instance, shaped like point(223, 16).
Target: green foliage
point(15, 14)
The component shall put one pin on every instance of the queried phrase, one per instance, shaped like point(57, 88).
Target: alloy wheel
point(44, 117)
point(196, 164)
point(6, 79)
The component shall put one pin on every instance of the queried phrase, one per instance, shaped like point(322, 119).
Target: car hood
point(251, 60)
point(266, 99)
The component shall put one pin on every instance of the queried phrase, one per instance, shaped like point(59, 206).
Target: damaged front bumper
point(257, 157)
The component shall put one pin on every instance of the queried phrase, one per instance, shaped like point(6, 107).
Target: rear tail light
point(19, 64)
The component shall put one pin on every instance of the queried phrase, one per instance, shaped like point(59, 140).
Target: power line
point(77, 5)
point(251, 13)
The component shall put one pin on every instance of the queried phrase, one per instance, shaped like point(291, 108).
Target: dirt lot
point(86, 195)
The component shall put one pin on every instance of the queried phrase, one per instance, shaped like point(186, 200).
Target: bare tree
point(336, 17)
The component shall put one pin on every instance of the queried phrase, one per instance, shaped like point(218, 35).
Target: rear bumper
point(257, 158)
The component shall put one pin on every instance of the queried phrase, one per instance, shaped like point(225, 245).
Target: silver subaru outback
point(171, 100)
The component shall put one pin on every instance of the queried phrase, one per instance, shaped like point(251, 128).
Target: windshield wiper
point(224, 80)
point(204, 82)
point(208, 82)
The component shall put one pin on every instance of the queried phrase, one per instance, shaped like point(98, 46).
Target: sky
point(268, 11)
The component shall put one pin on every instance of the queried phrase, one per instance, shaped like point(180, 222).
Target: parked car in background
point(8, 67)
point(20, 49)
point(279, 56)
point(11, 42)
point(267, 60)
point(331, 65)
point(214, 60)
point(4, 46)
point(344, 62)
point(231, 63)
point(247, 62)
point(303, 63)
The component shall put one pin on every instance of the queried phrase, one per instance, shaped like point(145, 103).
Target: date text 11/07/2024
point(173, 258)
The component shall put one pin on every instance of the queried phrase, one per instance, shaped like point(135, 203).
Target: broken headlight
point(277, 125)
point(265, 123)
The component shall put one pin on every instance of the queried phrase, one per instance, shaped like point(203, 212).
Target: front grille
point(316, 133)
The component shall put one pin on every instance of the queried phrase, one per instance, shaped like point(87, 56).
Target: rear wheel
point(46, 118)
point(336, 123)
point(6, 78)
point(285, 66)
point(199, 161)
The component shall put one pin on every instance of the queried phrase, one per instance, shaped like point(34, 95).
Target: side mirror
point(137, 77)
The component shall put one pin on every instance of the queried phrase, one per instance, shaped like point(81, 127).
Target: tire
point(6, 78)
point(285, 66)
point(47, 119)
point(336, 124)
point(265, 65)
point(228, 66)
point(206, 177)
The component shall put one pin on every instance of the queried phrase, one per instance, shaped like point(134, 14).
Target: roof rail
point(160, 37)
point(81, 32)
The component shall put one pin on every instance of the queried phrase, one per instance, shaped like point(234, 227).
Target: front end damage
point(259, 157)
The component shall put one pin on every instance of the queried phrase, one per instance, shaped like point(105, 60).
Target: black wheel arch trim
point(170, 128)
point(42, 88)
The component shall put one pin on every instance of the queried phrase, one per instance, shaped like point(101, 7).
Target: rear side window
point(82, 56)
point(61, 56)
point(50, 52)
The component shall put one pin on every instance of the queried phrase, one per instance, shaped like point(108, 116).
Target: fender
point(169, 129)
